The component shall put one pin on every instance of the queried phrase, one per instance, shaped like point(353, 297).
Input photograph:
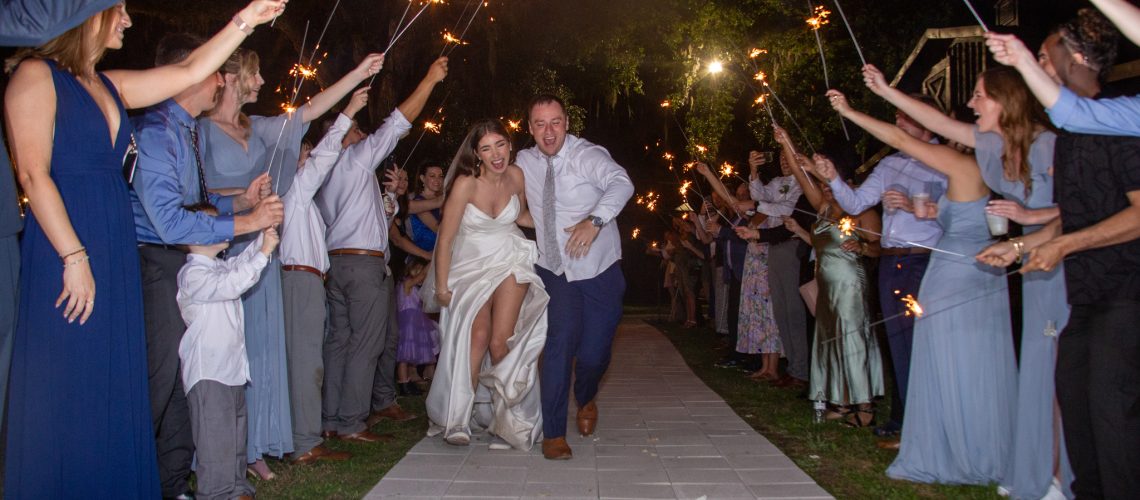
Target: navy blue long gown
point(79, 413)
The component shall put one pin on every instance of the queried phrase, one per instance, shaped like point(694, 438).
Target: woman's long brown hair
point(1022, 118)
point(77, 50)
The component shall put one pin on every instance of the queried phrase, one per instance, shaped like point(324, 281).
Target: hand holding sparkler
point(823, 168)
point(357, 102)
point(875, 80)
point(438, 71)
point(258, 189)
point(838, 102)
point(260, 12)
point(1045, 257)
point(371, 65)
point(1000, 254)
point(1010, 51)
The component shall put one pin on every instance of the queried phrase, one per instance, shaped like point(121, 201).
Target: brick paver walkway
point(661, 434)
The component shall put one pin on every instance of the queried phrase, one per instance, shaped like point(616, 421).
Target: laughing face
point(548, 126)
point(986, 109)
point(494, 153)
point(120, 22)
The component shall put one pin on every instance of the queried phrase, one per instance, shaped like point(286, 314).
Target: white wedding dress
point(486, 251)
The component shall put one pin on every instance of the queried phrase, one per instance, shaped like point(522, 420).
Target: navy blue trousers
point(901, 273)
point(582, 318)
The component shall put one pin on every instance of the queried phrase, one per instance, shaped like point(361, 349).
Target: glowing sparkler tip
point(668, 156)
point(847, 226)
point(760, 77)
point(913, 307)
point(666, 104)
point(754, 53)
point(820, 18)
point(431, 127)
point(636, 233)
point(514, 125)
point(727, 170)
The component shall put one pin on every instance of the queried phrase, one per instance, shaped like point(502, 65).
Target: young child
point(419, 335)
point(215, 368)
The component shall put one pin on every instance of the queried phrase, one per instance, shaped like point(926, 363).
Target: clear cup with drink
point(999, 225)
point(921, 202)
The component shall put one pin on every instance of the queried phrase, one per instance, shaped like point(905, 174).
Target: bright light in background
point(716, 67)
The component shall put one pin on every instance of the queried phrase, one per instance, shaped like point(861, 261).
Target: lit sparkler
point(666, 104)
point(668, 156)
point(701, 149)
point(431, 127)
point(754, 53)
point(636, 232)
point(514, 125)
point(449, 38)
point(685, 188)
point(727, 170)
point(819, 18)
point(847, 226)
point(913, 307)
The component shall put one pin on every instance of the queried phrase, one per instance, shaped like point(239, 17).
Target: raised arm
point(1010, 51)
point(926, 115)
point(324, 101)
point(420, 206)
point(799, 170)
point(142, 88)
point(403, 243)
point(718, 186)
point(1124, 15)
point(414, 104)
point(962, 171)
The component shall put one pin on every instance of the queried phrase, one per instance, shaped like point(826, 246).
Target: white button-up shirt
point(303, 231)
point(352, 201)
point(209, 296)
point(777, 199)
point(588, 182)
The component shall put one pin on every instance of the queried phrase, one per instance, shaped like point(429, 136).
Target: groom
point(575, 189)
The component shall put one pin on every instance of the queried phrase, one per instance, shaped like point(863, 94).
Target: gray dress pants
point(359, 298)
point(218, 419)
point(305, 314)
point(784, 284)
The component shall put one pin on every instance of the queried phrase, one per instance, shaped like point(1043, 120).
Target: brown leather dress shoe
point(556, 449)
point(367, 437)
point(393, 413)
point(587, 418)
point(320, 452)
point(888, 444)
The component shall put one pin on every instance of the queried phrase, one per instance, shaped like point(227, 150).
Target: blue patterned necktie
point(549, 233)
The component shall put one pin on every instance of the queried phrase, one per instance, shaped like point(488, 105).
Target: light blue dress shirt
point(898, 172)
point(166, 180)
point(1119, 116)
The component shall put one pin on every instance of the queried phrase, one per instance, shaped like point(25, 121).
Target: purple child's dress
point(419, 335)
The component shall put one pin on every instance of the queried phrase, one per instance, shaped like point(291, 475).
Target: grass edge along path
point(842, 460)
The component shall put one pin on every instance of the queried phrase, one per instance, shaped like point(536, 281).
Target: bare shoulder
point(29, 73)
point(462, 187)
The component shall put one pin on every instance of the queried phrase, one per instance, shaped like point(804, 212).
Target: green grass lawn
point(843, 461)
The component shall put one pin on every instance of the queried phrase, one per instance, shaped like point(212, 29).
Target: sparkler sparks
point(449, 38)
point(754, 53)
point(636, 232)
point(649, 201)
point(431, 127)
point(668, 156)
point(820, 18)
point(685, 188)
point(761, 99)
point(847, 226)
point(727, 170)
point(761, 77)
point(514, 125)
point(913, 307)
point(666, 104)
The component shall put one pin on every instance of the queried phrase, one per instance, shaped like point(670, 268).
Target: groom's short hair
point(544, 99)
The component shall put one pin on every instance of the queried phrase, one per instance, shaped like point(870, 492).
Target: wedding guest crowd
point(210, 347)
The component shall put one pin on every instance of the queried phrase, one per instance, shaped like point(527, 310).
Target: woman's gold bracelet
point(73, 252)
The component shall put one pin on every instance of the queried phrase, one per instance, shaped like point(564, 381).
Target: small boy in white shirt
point(215, 368)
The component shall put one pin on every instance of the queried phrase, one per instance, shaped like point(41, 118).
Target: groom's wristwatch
point(596, 221)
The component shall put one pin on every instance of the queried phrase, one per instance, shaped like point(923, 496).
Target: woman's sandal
point(837, 413)
point(855, 419)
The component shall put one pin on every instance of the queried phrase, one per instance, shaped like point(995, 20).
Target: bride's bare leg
point(480, 339)
point(507, 301)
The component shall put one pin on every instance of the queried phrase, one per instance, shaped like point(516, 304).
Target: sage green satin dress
point(846, 368)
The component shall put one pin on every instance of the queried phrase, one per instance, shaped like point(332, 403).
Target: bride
point(493, 305)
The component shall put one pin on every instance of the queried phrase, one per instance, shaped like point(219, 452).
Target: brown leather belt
point(307, 269)
point(357, 251)
point(903, 250)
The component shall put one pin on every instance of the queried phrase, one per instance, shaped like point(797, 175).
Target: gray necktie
point(550, 230)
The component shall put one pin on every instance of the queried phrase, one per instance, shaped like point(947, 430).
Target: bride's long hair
point(465, 161)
